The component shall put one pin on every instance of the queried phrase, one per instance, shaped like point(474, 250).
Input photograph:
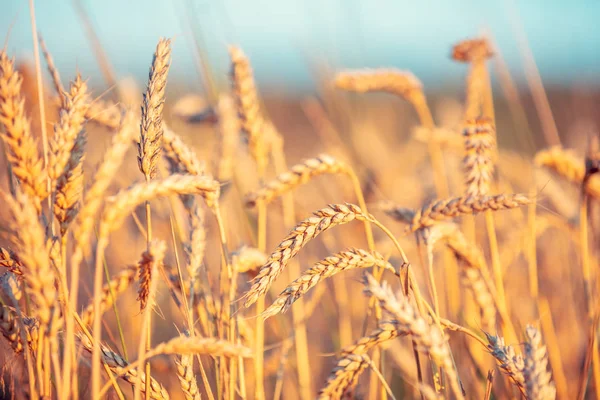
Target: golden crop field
point(345, 244)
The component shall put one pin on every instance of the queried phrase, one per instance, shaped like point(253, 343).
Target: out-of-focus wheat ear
point(344, 376)
point(229, 132)
point(117, 285)
point(297, 175)
point(478, 162)
point(198, 345)
point(305, 231)
point(151, 125)
point(181, 158)
point(9, 259)
point(390, 80)
point(149, 265)
point(117, 364)
point(475, 52)
point(10, 327)
point(385, 332)
point(30, 240)
point(253, 122)
point(510, 363)
point(396, 212)
point(247, 259)
point(67, 131)
point(566, 164)
point(69, 187)
point(15, 130)
point(330, 266)
point(538, 380)
point(442, 210)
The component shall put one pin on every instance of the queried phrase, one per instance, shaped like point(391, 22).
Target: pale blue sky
point(284, 38)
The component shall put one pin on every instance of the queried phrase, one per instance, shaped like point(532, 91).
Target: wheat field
point(156, 249)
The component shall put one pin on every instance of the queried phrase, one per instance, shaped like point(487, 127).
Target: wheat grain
point(330, 266)
point(151, 125)
point(324, 219)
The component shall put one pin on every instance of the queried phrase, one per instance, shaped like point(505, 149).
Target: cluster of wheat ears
point(60, 222)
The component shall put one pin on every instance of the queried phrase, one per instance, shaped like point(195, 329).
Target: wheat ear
point(15, 130)
point(324, 219)
point(330, 266)
point(151, 125)
point(538, 381)
point(479, 154)
point(509, 362)
point(297, 175)
point(148, 265)
point(247, 259)
point(442, 210)
point(344, 376)
point(9, 259)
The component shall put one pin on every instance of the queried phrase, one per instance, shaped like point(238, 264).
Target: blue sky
point(286, 39)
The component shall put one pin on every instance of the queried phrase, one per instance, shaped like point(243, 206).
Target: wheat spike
point(149, 264)
point(385, 332)
point(21, 146)
point(198, 345)
point(110, 291)
point(394, 81)
point(9, 259)
point(324, 219)
point(538, 381)
point(509, 362)
point(297, 175)
point(330, 266)
point(151, 125)
point(442, 210)
point(67, 131)
point(472, 50)
point(247, 259)
point(479, 153)
point(69, 187)
point(344, 376)
point(117, 365)
point(254, 125)
point(427, 337)
point(180, 156)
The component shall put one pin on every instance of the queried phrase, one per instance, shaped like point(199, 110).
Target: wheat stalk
point(538, 381)
point(330, 266)
point(297, 175)
point(151, 125)
point(229, 127)
point(441, 210)
point(303, 232)
point(21, 146)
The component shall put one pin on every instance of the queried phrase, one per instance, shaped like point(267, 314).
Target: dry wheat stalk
point(148, 265)
point(442, 210)
point(401, 83)
point(330, 266)
point(444, 137)
point(568, 165)
point(253, 123)
point(509, 362)
point(117, 364)
point(247, 259)
point(324, 219)
point(229, 128)
point(69, 187)
point(297, 175)
point(479, 154)
point(110, 291)
point(67, 130)
point(9, 259)
point(344, 376)
point(21, 146)
point(151, 125)
point(30, 240)
point(427, 337)
point(538, 381)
